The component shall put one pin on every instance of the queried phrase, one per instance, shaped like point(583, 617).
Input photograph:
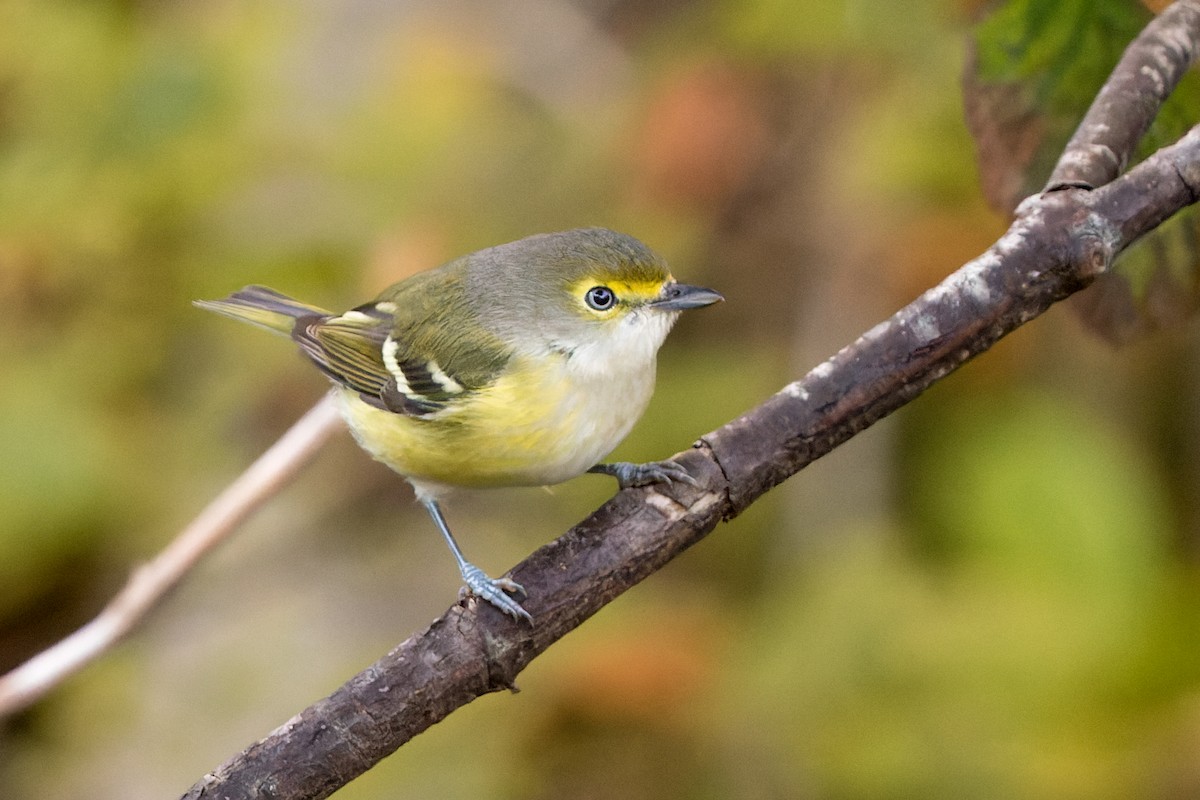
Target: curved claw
point(494, 591)
point(629, 474)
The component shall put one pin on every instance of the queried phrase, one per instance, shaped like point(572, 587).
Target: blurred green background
point(991, 594)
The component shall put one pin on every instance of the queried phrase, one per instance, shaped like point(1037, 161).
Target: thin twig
point(1127, 104)
point(152, 581)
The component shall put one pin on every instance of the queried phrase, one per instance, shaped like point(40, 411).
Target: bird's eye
point(600, 298)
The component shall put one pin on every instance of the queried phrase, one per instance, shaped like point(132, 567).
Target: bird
point(522, 364)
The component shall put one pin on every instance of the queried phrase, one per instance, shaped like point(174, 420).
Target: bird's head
point(601, 297)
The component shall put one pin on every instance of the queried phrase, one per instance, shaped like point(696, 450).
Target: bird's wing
point(405, 357)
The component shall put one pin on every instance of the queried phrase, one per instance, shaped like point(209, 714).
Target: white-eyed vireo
point(518, 365)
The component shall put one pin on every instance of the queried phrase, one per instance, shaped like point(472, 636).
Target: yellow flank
point(534, 426)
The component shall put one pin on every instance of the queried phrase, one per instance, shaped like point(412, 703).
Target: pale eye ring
point(600, 298)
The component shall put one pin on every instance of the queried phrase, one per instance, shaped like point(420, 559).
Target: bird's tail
point(263, 307)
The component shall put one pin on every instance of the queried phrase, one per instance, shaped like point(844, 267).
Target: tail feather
point(263, 307)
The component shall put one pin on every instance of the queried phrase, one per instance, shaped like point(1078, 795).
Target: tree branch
point(1102, 145)
point(1148, 71)
point(1058, 244)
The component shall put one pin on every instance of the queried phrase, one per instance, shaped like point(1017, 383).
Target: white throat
point(630, 348)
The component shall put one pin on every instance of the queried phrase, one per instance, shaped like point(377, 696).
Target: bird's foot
point(496, 591)
point(629, 474)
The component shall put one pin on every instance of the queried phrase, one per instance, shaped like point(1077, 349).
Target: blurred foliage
point(991, 594)
point(1037, 66)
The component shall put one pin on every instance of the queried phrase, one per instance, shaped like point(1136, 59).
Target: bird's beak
point(680, 296)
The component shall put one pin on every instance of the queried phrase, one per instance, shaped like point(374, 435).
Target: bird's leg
point(630, 474)
point(477, 581)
